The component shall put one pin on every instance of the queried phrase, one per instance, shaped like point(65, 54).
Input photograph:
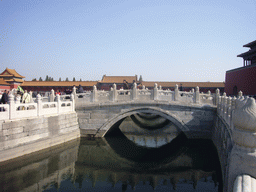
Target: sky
point(161, 40)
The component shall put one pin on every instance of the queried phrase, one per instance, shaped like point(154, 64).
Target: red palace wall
point(4, 88)
point(243, 78)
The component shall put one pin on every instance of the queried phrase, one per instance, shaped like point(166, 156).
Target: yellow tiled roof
point(118, 79)
point(3, 82)
point(11, 72)
point(14, 80)
point(59, 83)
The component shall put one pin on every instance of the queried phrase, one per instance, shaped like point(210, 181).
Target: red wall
point(244, 78)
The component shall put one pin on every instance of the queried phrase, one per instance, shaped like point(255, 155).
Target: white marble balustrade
point(145, 95)
point(16, 110)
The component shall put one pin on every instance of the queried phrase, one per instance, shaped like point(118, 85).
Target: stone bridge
point(190, 112)
point(194, 121)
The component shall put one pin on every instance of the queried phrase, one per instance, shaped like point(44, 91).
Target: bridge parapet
point(144, 94)
point(238, 157)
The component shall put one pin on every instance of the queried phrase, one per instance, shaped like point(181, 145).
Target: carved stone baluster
point(217, 94)
point(39, 105)
point(176, 93)
point(134, 91)
point(224, 104)
point(228, 113)
point(243, 154)
point(197, 95)
point(12, 109)
point(155, 93)
point(94, 94)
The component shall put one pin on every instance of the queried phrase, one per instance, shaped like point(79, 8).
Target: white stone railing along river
point(17, 110)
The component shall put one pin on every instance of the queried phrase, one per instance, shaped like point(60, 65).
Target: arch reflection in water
point(121, 162)
point(149, 130)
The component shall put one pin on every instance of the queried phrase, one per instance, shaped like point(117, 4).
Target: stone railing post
point(228, 111)
point(134, 91)
point(39, 105)
point(197, 95)
point(224, 105)
point(240, 94)
point(31, 98)
point(74, 91)
point(72, 98)
point(52, 96)
point(216, 99)
point(12, 109)
point(94, 94)
point(113, 93)
point(219, 105)
point(233, 106)
point(243, 154)
point(58, 103)
point(176, 93)
point(155, 92)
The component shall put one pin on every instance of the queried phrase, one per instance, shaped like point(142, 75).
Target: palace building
point(10, 79)
point(107, 81)
point(62, 86)
point(243, 78)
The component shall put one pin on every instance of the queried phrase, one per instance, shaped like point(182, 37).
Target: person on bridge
point(80, 89)
point(57, 92)
point(126, 86)
point(26, 97)
point(4, 98)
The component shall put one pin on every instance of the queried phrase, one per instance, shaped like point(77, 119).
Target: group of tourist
point(4, 98)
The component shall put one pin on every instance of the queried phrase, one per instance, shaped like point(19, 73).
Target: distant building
point(10, 79)
point(62, 86)
point(243, 78)
point(107, 81)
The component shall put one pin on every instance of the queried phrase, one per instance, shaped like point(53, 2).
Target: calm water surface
point(117, 164)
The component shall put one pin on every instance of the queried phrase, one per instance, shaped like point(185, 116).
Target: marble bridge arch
point(194, 121)
point(152, 110)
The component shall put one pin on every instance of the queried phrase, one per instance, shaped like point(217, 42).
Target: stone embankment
point(32, 127)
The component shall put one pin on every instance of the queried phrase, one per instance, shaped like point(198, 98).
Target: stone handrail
point(16, 110)
point(145, 95)
point(239, 114)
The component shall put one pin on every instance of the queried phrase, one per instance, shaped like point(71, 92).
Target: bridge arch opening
point(146, 113)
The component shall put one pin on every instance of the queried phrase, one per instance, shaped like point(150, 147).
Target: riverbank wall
point(19, 137)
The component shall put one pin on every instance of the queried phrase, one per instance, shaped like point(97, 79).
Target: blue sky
point(162, 40)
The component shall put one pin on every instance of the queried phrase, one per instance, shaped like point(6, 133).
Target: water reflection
point(140, 129)
point(120, 163)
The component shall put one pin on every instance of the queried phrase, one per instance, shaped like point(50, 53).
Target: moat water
point(117, 163)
